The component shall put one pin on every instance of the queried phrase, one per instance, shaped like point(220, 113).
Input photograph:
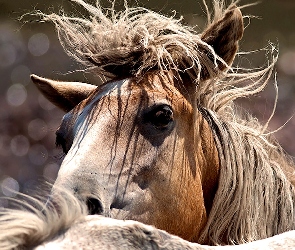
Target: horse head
point(138, 146)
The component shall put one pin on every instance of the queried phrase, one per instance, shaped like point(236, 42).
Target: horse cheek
point(178, 206)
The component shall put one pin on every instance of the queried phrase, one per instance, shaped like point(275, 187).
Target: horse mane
point(254, 199)
point(133, 41)
point(36, 221)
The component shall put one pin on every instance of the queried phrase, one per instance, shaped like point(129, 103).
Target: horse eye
point(160, 117)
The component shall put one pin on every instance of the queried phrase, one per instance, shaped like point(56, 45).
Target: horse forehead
point(152, 90)
point(112, 90)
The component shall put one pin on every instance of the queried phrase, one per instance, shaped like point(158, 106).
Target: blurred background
point(28, 121)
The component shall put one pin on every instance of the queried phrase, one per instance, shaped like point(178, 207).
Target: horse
point(162, 141)
point(69, 226)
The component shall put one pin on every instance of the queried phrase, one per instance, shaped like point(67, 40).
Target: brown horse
point(162, 142)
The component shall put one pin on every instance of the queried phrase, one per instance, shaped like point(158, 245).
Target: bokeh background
point(28, 121)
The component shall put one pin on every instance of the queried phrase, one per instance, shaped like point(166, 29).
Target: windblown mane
point(254, 199)
point(133, 41)
point(35, 223)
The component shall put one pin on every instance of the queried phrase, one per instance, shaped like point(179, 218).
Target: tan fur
point(254, 199)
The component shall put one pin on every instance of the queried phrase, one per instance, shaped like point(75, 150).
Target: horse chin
point(121, 214)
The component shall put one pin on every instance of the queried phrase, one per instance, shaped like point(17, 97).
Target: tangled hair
point(254, 199)
point(37, 220)
point(134, 41)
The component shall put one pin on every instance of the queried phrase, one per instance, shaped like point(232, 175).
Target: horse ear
point(65, 95)
point(223, 35)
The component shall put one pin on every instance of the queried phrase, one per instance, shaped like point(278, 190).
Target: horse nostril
point(94, 206)
point(118, 204)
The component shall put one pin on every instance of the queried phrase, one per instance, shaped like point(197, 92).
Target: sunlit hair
point(38, 220)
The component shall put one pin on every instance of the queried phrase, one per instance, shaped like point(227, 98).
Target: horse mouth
point(95, 206)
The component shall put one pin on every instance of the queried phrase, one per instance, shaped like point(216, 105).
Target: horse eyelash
point(60, 142)
point(60, 156)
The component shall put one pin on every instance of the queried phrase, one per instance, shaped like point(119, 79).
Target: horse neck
point(205, 151)
point(207, 159)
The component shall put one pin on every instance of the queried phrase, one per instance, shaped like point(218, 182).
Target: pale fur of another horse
point(254, 199)
point(41, 228)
